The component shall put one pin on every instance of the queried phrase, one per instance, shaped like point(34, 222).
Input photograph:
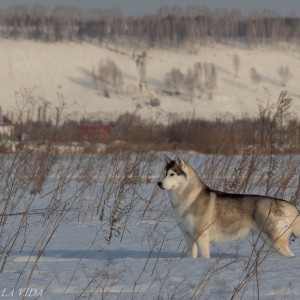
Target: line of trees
point(169, 26)
point(272, 131)
point(216, 136)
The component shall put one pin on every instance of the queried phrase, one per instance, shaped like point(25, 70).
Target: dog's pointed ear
point(167, 159)
point(180, 162)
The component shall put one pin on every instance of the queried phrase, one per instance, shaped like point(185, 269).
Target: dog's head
point(175, 173)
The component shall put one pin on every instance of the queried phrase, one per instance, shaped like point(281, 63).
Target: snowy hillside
point(67, 68)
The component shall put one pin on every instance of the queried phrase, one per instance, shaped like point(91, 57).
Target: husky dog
point(205, 215)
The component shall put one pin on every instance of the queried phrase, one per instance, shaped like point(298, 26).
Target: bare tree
point(211, 76)
point(255, 77)
point(140, 60)
point(190, 83)
point(174, 80)
point(198, 74)
point(236, 64)
point(192, 80)
point(110, 77)
point(284, 74)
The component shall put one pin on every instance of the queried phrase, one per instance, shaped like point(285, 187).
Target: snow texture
point(145, 258)
point(67, 68)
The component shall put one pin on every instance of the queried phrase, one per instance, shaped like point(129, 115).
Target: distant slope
point(66, 68)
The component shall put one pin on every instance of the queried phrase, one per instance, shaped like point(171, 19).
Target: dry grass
point(108, 189)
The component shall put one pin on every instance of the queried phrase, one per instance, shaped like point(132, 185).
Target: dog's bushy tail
point(296, 226)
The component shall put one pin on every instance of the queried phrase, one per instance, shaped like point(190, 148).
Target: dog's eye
point(172, 174)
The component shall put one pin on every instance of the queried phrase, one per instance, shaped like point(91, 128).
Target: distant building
point(94, 132)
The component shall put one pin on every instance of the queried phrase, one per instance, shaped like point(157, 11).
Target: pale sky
point(141, 7)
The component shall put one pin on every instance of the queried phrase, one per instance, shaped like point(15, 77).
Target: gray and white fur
point(205, 215)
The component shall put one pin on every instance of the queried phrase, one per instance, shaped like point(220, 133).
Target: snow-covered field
point(66, 68)
point(92, 227)
point(96, 227)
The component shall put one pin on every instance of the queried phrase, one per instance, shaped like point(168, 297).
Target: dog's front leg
point(191, 245)
point(204, 245)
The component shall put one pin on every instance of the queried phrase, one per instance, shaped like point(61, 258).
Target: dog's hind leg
point(204, 245)
point(282, 245)
point(296, 226)
point(282, 242)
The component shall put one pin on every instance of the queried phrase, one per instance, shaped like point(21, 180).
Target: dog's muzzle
point(160, 184)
